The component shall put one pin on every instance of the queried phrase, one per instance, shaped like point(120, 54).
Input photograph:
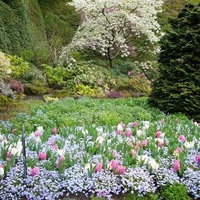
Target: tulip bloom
point(42, 156)
point(121, 169)
point(98, 168)
point(54, 130)
point(34, 171)
point(114, 164)
point(177, 165)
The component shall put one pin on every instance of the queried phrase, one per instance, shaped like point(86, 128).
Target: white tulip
point(1, 171)
point(189, 145)
point(153, 164)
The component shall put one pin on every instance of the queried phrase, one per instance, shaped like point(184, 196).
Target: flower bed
point(139, 157)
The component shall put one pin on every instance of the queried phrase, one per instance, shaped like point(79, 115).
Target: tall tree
point(108, 26)
point(178, 87)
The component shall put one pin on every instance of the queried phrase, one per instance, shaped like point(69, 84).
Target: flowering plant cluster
point(138, 157)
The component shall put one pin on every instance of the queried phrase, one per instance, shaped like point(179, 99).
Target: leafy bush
point(135, 196)
point(177, 88)
point(25, 72)
point(85, 90)
point(4, 66)
point(134, 83)
point(114, 94)
point(174, 192)
point(16, 86)
point(5, 89)
point(30, 89)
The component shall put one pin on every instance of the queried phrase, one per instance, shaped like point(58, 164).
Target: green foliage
point(21, 27)
point(174, 192)
point(85, 90)
point(25, 72)
point(4, 66)
point(135, 196)
point(30, 89)
point(55, 76)
point(177, 88)
point(135, 83)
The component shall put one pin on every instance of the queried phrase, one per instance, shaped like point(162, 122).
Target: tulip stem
point(24, 150)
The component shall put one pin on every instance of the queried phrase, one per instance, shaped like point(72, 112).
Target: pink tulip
point(144, 143)
point(177, 165)
point(134, 124)
point(114, 164)
point(60, 159)
point(129, 143)
point(133, 152)
point(160, 144)
point(118, 132)
point(114, 153)
point(121, 169)
point(158, 134)
point(198, 159)
point(54, 130)
point(54, 147)
point(13, 131)
point(128, 133)
point(52, 142)
point(98, 168)
point(182, 138)
point(42, 156)
point(34, 171)
point(9, 153)
point(178, 149)
point(137, 147)
point(38, 133)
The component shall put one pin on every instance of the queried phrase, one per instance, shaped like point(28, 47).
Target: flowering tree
point(108, 26)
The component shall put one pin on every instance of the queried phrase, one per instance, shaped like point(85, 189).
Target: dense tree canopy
point(178, 87)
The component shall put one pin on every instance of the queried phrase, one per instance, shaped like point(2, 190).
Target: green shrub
point(135, 196)
point(174, 192)
point(135, 83)
point(30, 89)
point(4, 66)
point(177, 87)
point(25, 72)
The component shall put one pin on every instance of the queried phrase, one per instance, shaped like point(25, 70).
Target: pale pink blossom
point(121, 169)
point(114, 153)
point(98, 167)
point(129, 143)
point(133, 152)
point(198, 159)
point(42, 156)
point(160, 144)
point(114, 164)
point(60, 159)
point(134, 124)
point(55, 147)
point(38, 133)
point(177, 165)
point(34, 171)
point(54, 130)
point(52, 142)
point(144, 143)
